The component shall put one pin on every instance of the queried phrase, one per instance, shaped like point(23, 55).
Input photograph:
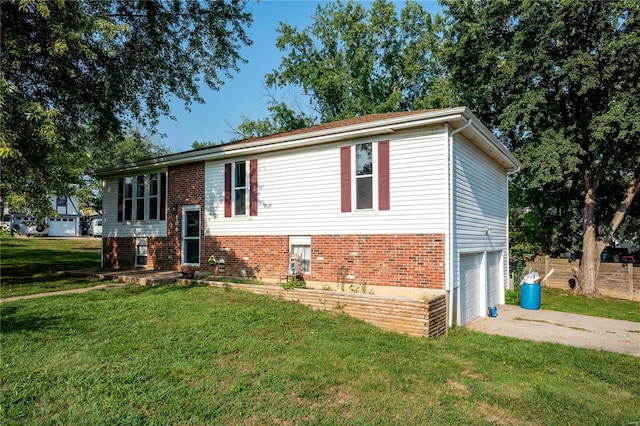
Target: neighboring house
point(401, 200)
point(65, 223)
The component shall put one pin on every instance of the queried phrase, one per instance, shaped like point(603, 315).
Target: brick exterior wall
point(118, 252)
point(185, 186)
point(415, 260)
point(387, 260)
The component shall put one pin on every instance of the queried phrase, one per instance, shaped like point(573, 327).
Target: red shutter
point(383, 175)
point(163, 196)
point(253, 188)
point(120, 199)
point(227, 190)
point(345, 178)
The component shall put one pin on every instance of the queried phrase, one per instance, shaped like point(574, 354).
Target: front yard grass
point(206, 355)
point(31, 265)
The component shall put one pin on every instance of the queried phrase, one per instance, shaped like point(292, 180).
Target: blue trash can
point(530, 296)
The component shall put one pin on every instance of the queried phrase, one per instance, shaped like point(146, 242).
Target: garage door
point(62, 227)
point(494, 278)
point(471, 300)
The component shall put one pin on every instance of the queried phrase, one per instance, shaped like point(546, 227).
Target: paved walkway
point(119, 277)
point(560, 327)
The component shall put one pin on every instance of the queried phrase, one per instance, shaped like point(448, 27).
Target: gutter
point(449, 285)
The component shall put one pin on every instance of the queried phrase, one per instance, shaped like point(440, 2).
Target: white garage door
point(494, 278)
point(471, 300)
point(62, 227)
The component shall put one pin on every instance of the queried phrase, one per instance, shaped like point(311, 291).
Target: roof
point(459, 118)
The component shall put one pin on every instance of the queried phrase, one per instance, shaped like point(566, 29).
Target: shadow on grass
point(14, 321)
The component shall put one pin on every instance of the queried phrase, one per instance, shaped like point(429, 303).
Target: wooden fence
point(619, 280)
point(414, 317)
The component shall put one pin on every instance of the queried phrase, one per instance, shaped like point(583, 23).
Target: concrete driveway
point(560, 327)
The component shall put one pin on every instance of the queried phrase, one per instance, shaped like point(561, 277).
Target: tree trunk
point(592, 245)
point(591, 251)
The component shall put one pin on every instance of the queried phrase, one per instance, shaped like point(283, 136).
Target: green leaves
point(355, 60)
point(76, 73)
point(556, 80)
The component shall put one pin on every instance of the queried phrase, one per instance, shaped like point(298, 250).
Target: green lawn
point(205, 355)
point(564, 301)
point(30, 265)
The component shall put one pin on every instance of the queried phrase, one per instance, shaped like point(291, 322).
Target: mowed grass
point(206, 355)
point(560, 300)
point(32, 265)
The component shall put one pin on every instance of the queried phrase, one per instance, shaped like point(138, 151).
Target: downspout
point(449, 240)
point(507, 227)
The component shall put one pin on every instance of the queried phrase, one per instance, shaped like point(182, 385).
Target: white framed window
point(302, 245)
point(239, 188)
point(140, 186)
point(142, 197)
point(365, 177)
point(364, 172)
point(141, 252)
point(154, 199)
point(128, 198)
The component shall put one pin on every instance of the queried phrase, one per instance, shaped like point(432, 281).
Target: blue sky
point(245, 94)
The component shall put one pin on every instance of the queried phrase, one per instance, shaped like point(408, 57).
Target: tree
point(75, 74)
point(134, 145)
point(282, 119)
point(558, 82)
point(354, 60)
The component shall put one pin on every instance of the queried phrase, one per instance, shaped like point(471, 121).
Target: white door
point(191, 235)
point(494, 278)
point(471, 300)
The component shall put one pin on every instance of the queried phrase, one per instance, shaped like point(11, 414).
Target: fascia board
point(455, 116)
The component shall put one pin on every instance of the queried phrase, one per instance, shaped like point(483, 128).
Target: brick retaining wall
point(408, 316)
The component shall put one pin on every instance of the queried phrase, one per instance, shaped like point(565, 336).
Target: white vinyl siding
point(112, 228)
point(480, 212)
point(495, 285)
point(299, 192)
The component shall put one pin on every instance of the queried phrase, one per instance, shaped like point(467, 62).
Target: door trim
point(185, 238)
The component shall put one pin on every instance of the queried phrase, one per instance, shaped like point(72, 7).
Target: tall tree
point(282, 119)
point(558, 81)
point(74, 74)
point(355, 60)
point(135, 144)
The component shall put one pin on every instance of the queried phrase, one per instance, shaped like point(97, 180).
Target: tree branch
point(632, 191)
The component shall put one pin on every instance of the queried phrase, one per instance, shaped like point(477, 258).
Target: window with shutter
point(364, 176)
point(241, 188)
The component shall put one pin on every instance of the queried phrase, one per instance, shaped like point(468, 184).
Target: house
point(65, 223)
point(408, 201)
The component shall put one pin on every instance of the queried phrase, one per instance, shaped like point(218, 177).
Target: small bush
point(293, 283)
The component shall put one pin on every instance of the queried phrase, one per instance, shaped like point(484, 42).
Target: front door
point(191, 235)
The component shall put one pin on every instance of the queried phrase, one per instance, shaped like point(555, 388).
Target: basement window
point(141, 252)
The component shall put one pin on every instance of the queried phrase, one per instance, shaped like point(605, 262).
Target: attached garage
point(471, 288)
point(479, 230)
